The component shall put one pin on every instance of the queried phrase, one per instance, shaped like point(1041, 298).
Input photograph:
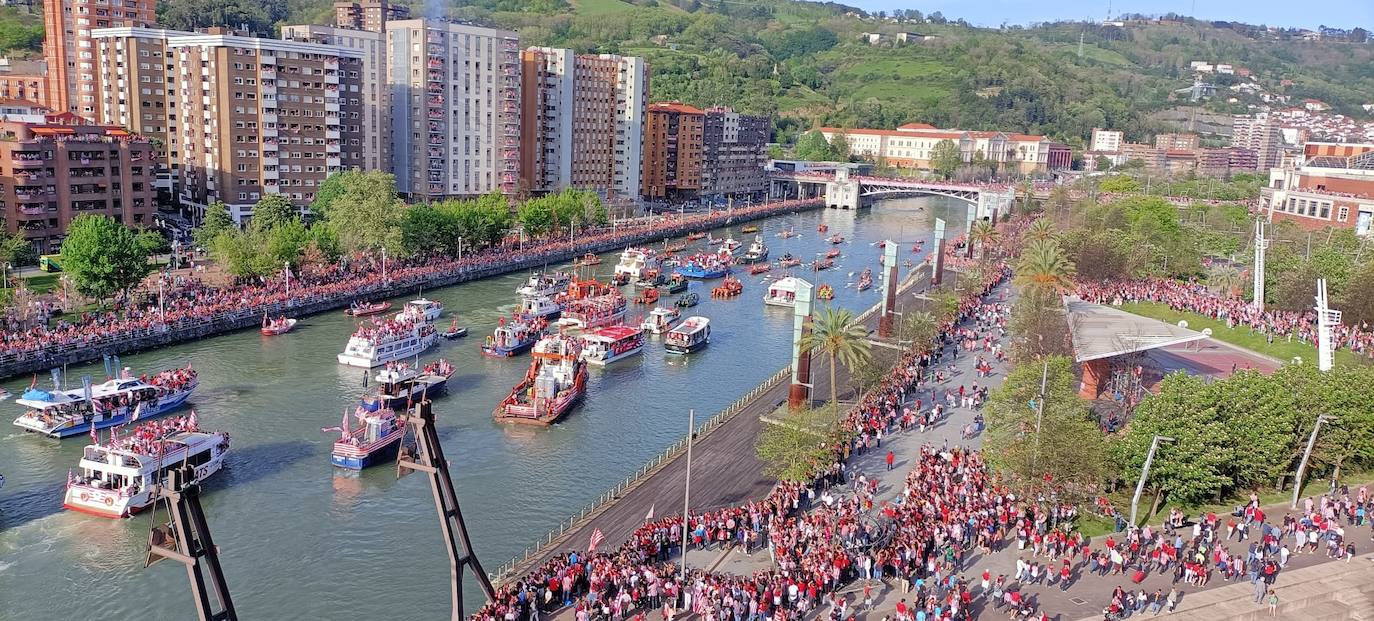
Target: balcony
point(331, 133)
point(436, 63)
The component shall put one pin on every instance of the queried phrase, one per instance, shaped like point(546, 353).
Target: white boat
point(689, 336)
point(635, 262)
point(783, 292)
point(421, 310)
point(603, 346)
point(540, 306)
point(65, 413)
point(594, 312)
point(120, 478)
point(661, 319)
point(730, 246)
point(378, 344)
point(758, 251)
point(549, 284)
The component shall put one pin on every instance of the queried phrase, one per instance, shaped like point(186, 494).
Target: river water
point(300, 539)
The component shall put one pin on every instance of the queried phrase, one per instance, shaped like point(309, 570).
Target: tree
point(1225, 278)
point(15, 249)
point(945, 158)
point(364, 211)
point(1357, 301)
point(1102, 163)
point(813, 147)
point(274, 210)
point(1119, 184)
point(918, 328)
point(152, 242)
point(1035, 440)
point(796, 448)
point(837, 335)
point(839, 148)
point(1040, 230)
point(216, 221)
point(102, 256)
point(1044, 265)
point(985, 236)
point(428, 229)
point(1038, 318)
point(536, 216)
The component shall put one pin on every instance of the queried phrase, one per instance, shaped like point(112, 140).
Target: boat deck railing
point(508, 569)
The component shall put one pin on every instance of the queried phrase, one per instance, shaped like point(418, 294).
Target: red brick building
point(1332, 186)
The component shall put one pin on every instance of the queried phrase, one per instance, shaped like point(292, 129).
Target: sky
point(1333, 13)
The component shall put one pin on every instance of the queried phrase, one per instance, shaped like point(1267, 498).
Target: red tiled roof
point(675, 106)
point(917, 126)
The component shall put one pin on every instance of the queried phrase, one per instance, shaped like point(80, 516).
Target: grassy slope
point(1240, 337)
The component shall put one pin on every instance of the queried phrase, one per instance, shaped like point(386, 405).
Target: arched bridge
point(846, 191)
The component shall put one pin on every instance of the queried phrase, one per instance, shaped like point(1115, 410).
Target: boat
point(588, 259)
point(514, 337)
point(787, 233)
point(695, 236)
point(274, 327)
point(703, 266)
point(728, 288)
point(649, 296)
point(454, 331)
point(652, 278)
point(382, 342)
point(66, 413)
point(678, 284)
point(832, 253)
point(712, 240)
point(865, 280)
point(375, 440)
point(758, 251)
point(421, 310)
point(544, 284)
point(689, 336)
point(836, 239)
point(822, 228)
point(620, 280)
point(788, 260)
point(730, 246)
point(916, 247)
point(825, 292)
point(636, 262)
point(608, 344)
point(364, 309)
point(539, 307)
point(400, 384)
point(122, 476)
point(661, 319)
point(671, 248)
point(599, 306)
point(749, 229)
point(688, 301)
point(783, 292)
point(557, 379)
point(760, 268)
point(5, 394)
point(822, 264)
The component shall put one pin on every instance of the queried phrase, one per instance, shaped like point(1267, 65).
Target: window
point(1343, 214)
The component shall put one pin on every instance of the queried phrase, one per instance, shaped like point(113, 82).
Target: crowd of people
point(170, 302)
point(1197, 298)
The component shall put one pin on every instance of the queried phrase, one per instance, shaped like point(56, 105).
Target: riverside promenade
point(299, 306)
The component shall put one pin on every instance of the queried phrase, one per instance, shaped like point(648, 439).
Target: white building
point(375, 130)
point(454, 106)
point(1106, 141)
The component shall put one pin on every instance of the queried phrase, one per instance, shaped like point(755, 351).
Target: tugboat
point(661, 320)
point(539, 307)
point(363, 309)
point(783, 292)
point(677, 285)
point(865, 279)
point(688, 301)
point(544, 284)
point(513, 338)
point(649, 296)
point(121, 477)
point(66, 413)
point(728, 288)
point(758, 251)
point(556, 380)
point(380, 343)
point(376, 440)
point(400, 384)
point(603, 346)
point(691, 335)
point(274, 327)
point(421, 310)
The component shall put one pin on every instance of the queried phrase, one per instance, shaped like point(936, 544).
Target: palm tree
point(1041, 229)
point(1043, 265)
point(1225, 278)
point(985, 235)
point(919, 327)
point(836, 334)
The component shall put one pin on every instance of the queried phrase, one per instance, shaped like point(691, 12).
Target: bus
point(50, 262)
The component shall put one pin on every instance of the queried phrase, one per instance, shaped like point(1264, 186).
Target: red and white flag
point(95, 436)
point(597, 538)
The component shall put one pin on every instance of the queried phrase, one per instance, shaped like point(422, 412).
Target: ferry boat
point(380, 343)
point(596, 311)
point(730, 246)
point(400, 383)
point(544, 284)
point(514, 337)
point(689, 336)
point(363, 309)
point(539, 307)
point(825, 292)
point(636, 262)
point(661, 319)
point(608, 344)
point(376, 439)
point(688, 301)
point(865, 279)
point(66, 413)
point(121, 477)
point(421, 310)
point(557, 379)
point(677, 285)
point(758, 251)
point(703, 266)
point(274, 327)
point(783, 292)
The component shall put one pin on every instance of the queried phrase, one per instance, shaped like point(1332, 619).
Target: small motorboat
point(825, 292)
point(678, 284)
point(865, 280)
point(367, 308)
point(454, 331)
point(836, 239)
point(822, 228)
point(760, 268)
point(688, 301)
point(274, 327)
point(589, 259)
point(728, 288)
point(5, 394)
point(649, 296)
point(832, 253)
point(788, 260)
point(661, 319)
point(749, 229)
point(671, 248)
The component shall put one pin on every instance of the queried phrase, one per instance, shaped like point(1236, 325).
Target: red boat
point(819, 265)
point(832, 254)
point(556, 380)
point(274, 327)
point(822, 228)
point(760, 268)
point(367, 308)
point(836, 239)
point(695, 236)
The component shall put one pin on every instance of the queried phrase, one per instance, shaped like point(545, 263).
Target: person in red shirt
point(890, 459)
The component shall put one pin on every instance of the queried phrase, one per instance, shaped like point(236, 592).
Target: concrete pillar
point(937, 261)
point(968, 230)
point(843, 192)
point(799, 393)
point(889, 317)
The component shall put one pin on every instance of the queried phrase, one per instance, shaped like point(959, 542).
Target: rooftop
point(1100, 331)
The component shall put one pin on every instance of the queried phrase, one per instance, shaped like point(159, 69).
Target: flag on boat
point(344, 429)
point(95, 437)
point(138, 411)
point(597, 538)
point(191, 421)
point(71, 479)
point(650, 515)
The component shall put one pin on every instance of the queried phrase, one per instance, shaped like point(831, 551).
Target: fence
point(511, 568)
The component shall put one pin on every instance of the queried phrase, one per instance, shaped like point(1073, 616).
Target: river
point(300, 539)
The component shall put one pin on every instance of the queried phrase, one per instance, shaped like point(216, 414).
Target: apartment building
point(369, 15)
point(910, 146)
point(582, 121)
point(1261, 134)
point(734, 149)
point(454, 107)
point(673, 135)
point(51, 172)
point(264, 116)
point(374, 127)
point(1177, 142)
point(1106, 141)
point(137, 75)
point(1332, 185)
point(73, 80)
point(24, 81)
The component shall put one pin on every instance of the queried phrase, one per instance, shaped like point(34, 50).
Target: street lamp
point(1302, 465)
point(1145, 472)
point(6, 276)
point(460, 247)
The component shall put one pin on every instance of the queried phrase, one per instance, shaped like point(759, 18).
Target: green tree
point(945, 158)
point(1031, 438)
point(102, 256)
point(796, 448)
point(839, 148)
point(813, 147)
point(1102, 163)
point(364, 211)
point(1043, 265)
point(431, 229)
point(984, 235)
point(1040, 230)
point(272, 211)
point(15, 249)
point(152, 242)
point(1119, 184)
point(918, 328)
point(1225, 278)
point(1357, 301)
point(836, 334)
point(216, 221)
point(536, 216)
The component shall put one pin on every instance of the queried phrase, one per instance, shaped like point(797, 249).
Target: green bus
point(50, 263)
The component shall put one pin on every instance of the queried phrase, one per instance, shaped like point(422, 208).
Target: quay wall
point(161, 336)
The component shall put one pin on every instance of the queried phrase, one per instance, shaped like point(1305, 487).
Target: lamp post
point(1145, 472)
point(460, 247)
point(687, 493)
point(6, 277)
point(1307, 454)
